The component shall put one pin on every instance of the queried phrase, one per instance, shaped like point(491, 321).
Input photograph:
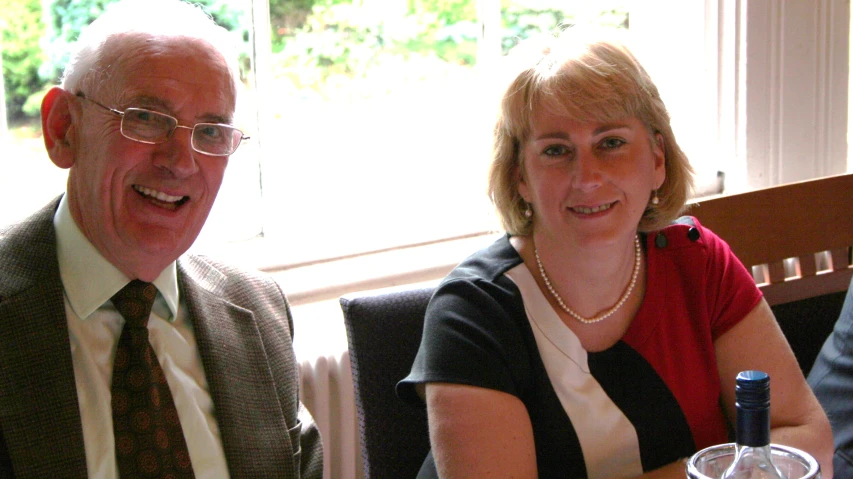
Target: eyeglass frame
point(177, 125)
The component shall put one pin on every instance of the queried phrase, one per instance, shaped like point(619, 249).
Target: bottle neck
point(753, 426)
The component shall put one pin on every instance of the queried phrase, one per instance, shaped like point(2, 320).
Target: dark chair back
point(807, 323)
point(384, 331)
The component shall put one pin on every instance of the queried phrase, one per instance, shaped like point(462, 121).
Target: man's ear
point(57, 127)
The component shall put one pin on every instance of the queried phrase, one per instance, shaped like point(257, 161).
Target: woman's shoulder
point(478, 287)
point(487, 264)
point(686, 232)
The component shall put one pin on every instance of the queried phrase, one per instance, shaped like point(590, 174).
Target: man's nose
point(177, 153)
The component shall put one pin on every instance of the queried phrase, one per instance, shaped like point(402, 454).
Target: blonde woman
point(602, 335)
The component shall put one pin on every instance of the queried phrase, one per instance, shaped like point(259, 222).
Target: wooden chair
point(797, 239)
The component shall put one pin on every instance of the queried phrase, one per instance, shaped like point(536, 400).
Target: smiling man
point(120, 355)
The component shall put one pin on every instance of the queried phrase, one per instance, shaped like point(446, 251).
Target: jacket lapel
point(248, 410)
point(39, 412)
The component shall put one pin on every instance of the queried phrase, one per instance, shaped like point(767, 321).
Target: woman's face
point(589, 182)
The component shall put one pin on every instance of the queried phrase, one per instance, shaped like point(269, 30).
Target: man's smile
point(160, 198)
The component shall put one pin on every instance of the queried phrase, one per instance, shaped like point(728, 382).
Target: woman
point(600, 337)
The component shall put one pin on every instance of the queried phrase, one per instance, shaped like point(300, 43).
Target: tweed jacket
point(244, 333)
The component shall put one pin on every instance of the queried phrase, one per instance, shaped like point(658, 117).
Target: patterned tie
point(148, 436)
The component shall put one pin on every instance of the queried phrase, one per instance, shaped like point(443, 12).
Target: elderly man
point(121, 356)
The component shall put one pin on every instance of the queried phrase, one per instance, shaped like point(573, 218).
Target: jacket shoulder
point(27, 250)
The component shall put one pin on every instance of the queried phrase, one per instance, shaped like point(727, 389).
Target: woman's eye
point(556, 150)
point(612, 143)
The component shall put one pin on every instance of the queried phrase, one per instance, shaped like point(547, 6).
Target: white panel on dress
point(608, 439)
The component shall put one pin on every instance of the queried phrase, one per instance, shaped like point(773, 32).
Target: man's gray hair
point(156, 18)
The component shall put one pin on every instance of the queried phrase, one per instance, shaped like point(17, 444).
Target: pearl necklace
point(610, 311)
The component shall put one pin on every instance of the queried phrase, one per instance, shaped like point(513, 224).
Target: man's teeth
point(595, 209)
point(158, 195)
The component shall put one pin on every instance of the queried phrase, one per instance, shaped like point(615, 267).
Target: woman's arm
point(482, 433)
point(796, 417)
point(477, 433)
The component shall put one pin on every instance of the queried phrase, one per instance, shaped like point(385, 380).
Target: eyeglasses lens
point(216, 139)
point(147, 126)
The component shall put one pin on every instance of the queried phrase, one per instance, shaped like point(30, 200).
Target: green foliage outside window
point(523, 19)
point(36, 42)
point(22, 30)
point(323, 48)
point(348, 50)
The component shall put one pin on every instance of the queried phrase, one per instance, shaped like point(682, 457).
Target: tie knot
point(134, 302)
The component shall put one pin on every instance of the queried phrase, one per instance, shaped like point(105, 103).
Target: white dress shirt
point(94, 327)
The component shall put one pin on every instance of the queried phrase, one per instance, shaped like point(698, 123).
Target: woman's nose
point(587, 170)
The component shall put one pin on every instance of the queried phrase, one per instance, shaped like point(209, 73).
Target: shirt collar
point(88, 278)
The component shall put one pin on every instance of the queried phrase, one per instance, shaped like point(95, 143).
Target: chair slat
point(840, 259)
point(808, 287)
point(776, 271)
point(808, 265)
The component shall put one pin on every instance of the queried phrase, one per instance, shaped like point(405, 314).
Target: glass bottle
point(753, 456)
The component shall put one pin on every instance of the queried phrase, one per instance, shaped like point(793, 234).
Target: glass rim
point(237, 134)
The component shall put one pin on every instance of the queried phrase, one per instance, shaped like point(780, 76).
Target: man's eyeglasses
point(152, 127)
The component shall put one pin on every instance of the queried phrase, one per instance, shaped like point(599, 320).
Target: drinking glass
point(711, 462)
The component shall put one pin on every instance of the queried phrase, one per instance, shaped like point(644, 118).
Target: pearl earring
point(528, 212)
point(655, 199)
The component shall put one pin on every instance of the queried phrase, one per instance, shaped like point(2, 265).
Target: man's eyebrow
point(214, 118)
point(146, 101)
point(165, 106)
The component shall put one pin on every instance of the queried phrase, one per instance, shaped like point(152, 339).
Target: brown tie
point(148, 436)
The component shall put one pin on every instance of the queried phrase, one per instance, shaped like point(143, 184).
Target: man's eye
point(210, 132)
point(142, 116)
point(148, 118)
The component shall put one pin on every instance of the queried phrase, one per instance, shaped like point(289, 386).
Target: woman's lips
point(588, 210)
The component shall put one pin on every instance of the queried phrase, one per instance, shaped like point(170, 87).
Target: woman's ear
point(659, 148)
point(521, 184)
point(57, 127)
point(659, 152)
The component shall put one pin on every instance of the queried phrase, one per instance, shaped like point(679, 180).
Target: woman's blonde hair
point(597, 81)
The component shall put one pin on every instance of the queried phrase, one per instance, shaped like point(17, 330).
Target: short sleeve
point(472, 337)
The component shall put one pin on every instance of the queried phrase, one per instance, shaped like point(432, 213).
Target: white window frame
point(779, 103)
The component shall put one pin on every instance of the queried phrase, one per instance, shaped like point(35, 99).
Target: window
point(371, 118)
point(375, 118)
